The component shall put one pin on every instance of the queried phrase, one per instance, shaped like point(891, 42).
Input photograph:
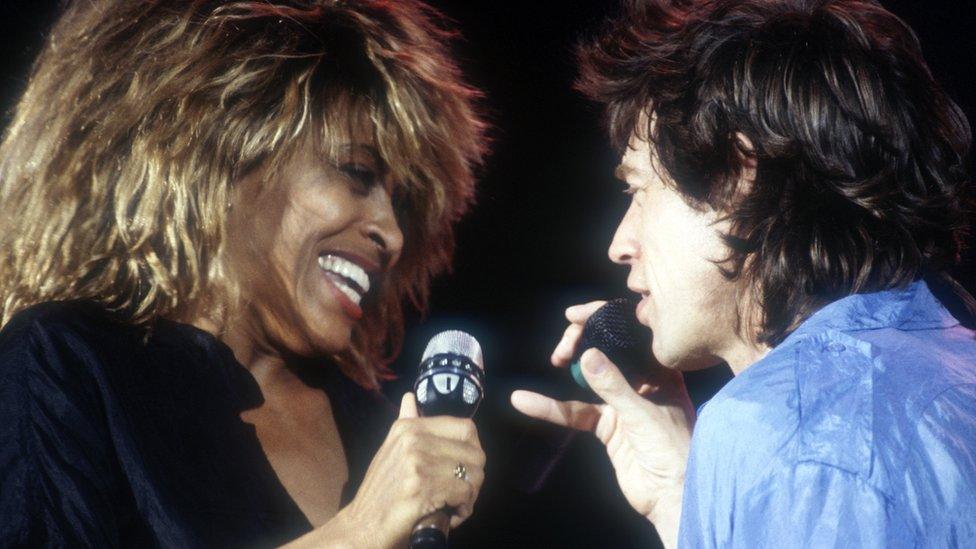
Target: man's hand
point(647, 431)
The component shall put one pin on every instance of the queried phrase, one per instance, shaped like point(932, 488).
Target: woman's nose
point(382, 226)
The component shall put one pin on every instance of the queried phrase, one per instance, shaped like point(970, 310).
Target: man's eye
point(362, 176)
point(634, 193)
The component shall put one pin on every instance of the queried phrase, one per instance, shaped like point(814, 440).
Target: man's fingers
point(607, 382)
point(564, 351)
point(573, 414)
point(577, 314)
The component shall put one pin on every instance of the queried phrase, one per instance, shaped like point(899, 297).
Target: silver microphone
point(451, 382)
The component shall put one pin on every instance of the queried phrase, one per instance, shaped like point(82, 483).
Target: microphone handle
point(431, 531)
point(449, 399)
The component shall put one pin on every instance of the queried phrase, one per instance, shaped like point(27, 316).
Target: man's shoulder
point(847, 399)
point(809, 399)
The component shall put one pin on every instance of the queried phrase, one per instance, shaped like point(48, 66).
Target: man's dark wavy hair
point(861, 158)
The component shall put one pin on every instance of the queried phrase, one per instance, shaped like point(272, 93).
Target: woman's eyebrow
point(362, 147)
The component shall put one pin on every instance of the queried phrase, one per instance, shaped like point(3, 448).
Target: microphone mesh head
point(455, 342)
point(615, 330)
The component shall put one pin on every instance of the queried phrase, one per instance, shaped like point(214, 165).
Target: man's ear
point(747, 155)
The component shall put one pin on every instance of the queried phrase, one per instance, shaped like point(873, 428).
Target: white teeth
point(353, 295)
point(347, 269)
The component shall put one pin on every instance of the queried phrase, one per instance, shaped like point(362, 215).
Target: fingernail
point(576, 369)
point(596, 367)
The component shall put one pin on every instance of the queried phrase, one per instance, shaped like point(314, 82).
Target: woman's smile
point(347, 280)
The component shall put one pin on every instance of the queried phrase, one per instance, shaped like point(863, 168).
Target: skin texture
point(671, 248)
point(674, 250)
point(278, 230)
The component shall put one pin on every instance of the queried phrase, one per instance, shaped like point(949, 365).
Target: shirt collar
point(912, 307)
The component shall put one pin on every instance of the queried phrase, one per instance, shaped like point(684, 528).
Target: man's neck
point(742, 354)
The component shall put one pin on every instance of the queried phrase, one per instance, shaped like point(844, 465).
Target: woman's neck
point(268, 367)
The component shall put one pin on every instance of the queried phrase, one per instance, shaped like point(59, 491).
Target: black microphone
point(616, 332)
point(451, 383)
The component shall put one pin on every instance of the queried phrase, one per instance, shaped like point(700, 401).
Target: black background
point(536, 243)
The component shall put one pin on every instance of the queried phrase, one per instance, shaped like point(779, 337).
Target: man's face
point(671, 248)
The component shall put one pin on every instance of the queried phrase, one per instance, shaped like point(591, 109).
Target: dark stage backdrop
point(536, 243)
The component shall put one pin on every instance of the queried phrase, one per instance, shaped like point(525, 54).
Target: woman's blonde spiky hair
point(140, 116)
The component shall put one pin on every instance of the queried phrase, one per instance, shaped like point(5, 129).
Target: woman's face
point(310, 247)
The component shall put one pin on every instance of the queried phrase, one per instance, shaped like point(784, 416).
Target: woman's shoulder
point(51, 319)
point(83, 344)
point(55, 445)
point(56, 359)
point(56, 335)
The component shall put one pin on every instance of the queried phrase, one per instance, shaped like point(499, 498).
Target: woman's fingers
point(408, 406)
point(474, 480)
point(434, 447)
point(452, 474)
point(455, 428)
point(573, 414)
point(453, 452)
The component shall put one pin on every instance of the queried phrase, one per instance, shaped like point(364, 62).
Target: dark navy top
point(114, 435)
point(859, 430)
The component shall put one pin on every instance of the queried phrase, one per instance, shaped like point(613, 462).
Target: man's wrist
point(666, 515)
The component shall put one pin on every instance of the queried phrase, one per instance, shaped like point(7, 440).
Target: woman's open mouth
point(350, 281)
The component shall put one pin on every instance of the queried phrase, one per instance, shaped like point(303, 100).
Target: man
point(799, 183)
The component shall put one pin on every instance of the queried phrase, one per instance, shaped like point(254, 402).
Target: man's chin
point(683, 362)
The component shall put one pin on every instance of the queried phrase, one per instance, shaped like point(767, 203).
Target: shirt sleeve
point(941, 499)
point(806, 504)
point(57, 472)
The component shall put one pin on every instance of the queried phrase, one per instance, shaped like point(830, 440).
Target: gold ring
point(461, 472)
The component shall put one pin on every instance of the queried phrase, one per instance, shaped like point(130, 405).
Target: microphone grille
point(455, 342)
point(615, 330)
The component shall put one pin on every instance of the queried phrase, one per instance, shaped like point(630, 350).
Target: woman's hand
point(647, 432)
point(412, 475)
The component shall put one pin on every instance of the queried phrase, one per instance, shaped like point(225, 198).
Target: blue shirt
point(859, 430)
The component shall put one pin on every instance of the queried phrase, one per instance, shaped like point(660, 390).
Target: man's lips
point(642, 309)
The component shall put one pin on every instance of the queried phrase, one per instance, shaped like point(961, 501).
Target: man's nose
point(625, 246)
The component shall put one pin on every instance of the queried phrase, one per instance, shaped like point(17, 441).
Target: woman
point(211, 214)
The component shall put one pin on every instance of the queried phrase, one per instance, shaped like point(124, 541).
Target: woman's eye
point(363, 177)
